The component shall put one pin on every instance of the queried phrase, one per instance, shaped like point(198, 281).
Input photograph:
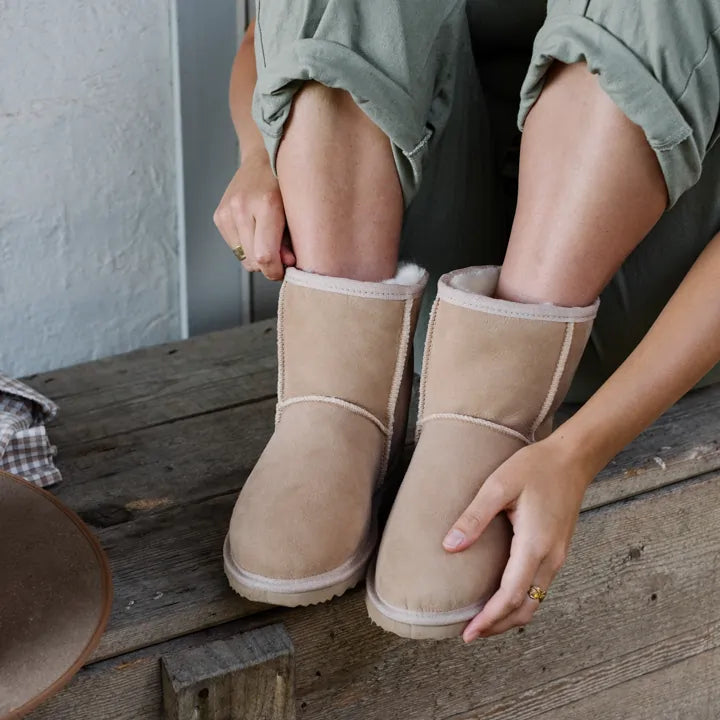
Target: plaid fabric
point(25, 449)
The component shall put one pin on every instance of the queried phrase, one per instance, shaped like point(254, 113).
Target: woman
point(370, 140)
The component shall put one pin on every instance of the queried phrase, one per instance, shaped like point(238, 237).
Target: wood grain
point(685, 690)
point(250, 676)
point(638, 594)
point(188, 427)
point(161, 384)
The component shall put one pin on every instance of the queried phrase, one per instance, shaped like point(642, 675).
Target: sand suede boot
point(304, 525)
point(494, 373)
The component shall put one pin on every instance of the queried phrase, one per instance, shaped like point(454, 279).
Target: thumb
point(488, 502)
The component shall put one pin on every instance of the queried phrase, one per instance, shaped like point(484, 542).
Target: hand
point(251, 214)
point(541, 489)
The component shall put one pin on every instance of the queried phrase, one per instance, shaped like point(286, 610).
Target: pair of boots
point(304, 527)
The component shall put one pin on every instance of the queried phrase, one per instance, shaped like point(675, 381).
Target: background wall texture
point(88, 203)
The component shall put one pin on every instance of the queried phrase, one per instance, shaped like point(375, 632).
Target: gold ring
point(239, 253)
point(537, 593)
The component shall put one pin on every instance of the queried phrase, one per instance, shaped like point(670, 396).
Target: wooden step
point(154, 446)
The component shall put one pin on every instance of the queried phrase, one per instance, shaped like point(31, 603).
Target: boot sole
point(302, 591)
point(415, 625)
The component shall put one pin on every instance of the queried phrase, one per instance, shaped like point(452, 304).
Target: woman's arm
point(251, 213)
point(542, 485)
point(679, 349)
point(243, 78)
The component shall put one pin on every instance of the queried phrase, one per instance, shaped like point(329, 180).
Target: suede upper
point(344, 350)
point(494, 372)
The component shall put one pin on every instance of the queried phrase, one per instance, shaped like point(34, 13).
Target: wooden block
point(248, 677)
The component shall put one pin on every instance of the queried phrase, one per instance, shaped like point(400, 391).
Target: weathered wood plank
point(115, 480)
point(161, 384)
point(168, 576)
point(141, 469)
point(224, 370)
point(160, 500)
point(637, 595)
point(250, 676)
point(160, 363)
point(686, 690)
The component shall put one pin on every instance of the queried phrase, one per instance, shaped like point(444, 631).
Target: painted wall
point(88, 202)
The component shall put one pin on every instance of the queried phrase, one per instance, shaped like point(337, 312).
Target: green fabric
point(442, 80)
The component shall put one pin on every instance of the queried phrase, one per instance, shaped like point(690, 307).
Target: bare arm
point(679, 349)
point(542, 485)
point(251, 213)
point(242, 84)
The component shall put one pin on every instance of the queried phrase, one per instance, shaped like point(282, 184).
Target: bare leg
point(340, 188)
point(590, 190)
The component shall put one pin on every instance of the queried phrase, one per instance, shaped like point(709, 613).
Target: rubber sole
point(415, 625)
point(302, 591)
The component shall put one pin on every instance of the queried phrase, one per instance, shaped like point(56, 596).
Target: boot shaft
point(507, 363)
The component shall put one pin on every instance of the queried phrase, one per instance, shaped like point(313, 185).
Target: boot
point(304, 524)
point(494, 373)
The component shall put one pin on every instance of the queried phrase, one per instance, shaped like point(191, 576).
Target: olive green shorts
point(450, 82)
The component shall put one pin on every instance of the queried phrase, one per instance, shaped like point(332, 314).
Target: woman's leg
point(340, 187)
point(590, 190)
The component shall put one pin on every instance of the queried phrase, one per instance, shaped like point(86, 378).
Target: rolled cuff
point(632, 87)
point(335, 66)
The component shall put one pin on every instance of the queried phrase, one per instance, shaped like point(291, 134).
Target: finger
point(524, 614)
point(489, 501)
point(244, 234)
point(286, 252)
point(521, 569)
point(235, 231)
point(269, 228)
point(225, 223)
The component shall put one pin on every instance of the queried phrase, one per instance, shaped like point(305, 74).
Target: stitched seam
point(420, 145)
point(555, 382)
point(486, 307)
point(425, 370)
point(360, 293)
point(339, 402)
point(280, 352)
point(400, 365)
point(477, 421)
point(697, 64)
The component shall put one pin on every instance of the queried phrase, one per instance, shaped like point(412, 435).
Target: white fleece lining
point(407, 274)
point(339, 402)
point(555, 383)
point(473, 288)
point(428, 618)
point(385, 290)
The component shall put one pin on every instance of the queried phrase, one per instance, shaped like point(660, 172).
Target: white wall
point(88, 209)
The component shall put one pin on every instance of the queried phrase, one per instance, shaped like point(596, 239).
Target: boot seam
point(425, 370)
point(400, 369)
point(359, 288)
point(339, 402)
point(560, 366)
point(504, 429)
point(280, 352)
point(451, 293)
point(419, 617)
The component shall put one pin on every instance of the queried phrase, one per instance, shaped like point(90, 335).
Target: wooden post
point(249, 677)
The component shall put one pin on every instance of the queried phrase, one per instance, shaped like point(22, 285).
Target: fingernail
point(454, 539)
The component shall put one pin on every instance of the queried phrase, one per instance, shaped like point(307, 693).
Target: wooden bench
point(154, 446)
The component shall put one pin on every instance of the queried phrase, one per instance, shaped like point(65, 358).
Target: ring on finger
point(239, 252)
point(537, 593)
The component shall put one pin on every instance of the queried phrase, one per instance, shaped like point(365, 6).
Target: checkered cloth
point(25, 449)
